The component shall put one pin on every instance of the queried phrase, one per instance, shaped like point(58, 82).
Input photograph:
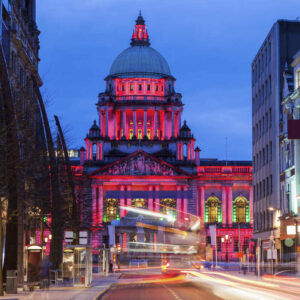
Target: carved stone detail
point(139, 165)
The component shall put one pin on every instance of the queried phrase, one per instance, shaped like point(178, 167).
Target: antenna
point(226, 149)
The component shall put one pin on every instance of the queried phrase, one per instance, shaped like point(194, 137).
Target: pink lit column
point(122, 202)
point(224, 206)
point(134, 123)
point(229, 206)
point(157, 200)
point(202, 204)
point(150, 199)
point(173, 123)
point(185, 202)
point(94, 196)
point(129, 199)
point(124, 124)
point(100, 122)
point(155, 124)
point(106, 122)
point(145, 123)
point(100, 205)
point(179, 205)
point(251, 205)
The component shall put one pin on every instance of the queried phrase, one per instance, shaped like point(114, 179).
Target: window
point(140, 134)
point(263, 125)
point(138, 203)
point(123, 87)
point(259, 128)
point(269, 51)
point(254, 163)
point(212, 208)
point(140, 87)
point(148, 87)
point(270, 151)
point(270, 117)
point(271, 184)
point(264, 188)
point(267, 187)
point(131, 87)
point(240, 209)
point(260, 164)
point(264, 156)
point(270, 85)
point(267, 120)
point(297, 78)
point(260, 190)
point(111, 212)
point(156, 88)
point(267, 154)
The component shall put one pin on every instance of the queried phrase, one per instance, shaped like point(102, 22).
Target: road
point(174, 291)
point(203, 285)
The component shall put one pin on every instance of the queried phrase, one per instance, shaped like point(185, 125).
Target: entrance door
point(80, 265)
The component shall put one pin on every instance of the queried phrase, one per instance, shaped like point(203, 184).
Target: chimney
point(82, 156)
point(197, 156)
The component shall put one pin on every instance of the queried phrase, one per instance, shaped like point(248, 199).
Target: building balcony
point(224, 170)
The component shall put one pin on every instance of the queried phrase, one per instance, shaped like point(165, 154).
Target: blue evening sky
point(209, 45)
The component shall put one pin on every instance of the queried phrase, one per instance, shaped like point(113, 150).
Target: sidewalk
point(100, 283)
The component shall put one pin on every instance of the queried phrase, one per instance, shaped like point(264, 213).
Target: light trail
point(244, 280)
point(148, 213)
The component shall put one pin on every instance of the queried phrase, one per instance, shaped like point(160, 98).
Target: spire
point(140, 35)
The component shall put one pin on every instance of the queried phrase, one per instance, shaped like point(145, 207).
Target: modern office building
point(290, 162)
point(268, 66)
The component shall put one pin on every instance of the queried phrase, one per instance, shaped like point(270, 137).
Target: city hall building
point(140, 153)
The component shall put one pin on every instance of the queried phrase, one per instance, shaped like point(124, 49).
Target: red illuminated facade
point(141, 154)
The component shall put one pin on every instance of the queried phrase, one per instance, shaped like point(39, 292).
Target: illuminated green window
point(111, 210)
point(240, 210)
point(168, 207)
point(213, 209)
point(138, 203)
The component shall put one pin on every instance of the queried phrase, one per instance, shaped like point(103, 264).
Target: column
point(129, 198)
point(189, 151)
point(224, 206)
point(229, 211)
point(150, 199)
point(101, 151)
point(165, 125)
point(157, 207)
point(185, 201)
point(91, 151)
point(181, 151)
point(178, 151)
point(106, 122)
point(202, 203)
point(251, 204)
point(100, 205)
point(134, 124)
point(145, 124)
point(115, 125)
point(124, 124)
point(179, 205)
point(94, 195)
point(98, 151)
point(155, 124)
point(87, 145)
point(100, 122)
point(179, 121)
point(173, 123)
point(122, 202)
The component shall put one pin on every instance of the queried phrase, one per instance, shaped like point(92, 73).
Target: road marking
point(172, 292)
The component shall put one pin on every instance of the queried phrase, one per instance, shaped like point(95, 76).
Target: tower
point(140, 108)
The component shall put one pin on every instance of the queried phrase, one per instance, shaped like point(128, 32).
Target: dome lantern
point(140, 35)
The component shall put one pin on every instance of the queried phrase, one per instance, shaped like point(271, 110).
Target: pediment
point(140, 163)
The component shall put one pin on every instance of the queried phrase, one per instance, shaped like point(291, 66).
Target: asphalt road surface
point(160, 291)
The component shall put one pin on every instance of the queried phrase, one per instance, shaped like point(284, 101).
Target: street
point(203, 285)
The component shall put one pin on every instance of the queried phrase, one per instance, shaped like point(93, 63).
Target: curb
point(102, 293)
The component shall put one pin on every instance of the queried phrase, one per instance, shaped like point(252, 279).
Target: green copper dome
point(140, 61)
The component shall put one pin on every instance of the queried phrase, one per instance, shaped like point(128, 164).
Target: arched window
point(168, 207)
point(213, 209)
point(138, 203)
point(241, 213)
point(111, 210)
